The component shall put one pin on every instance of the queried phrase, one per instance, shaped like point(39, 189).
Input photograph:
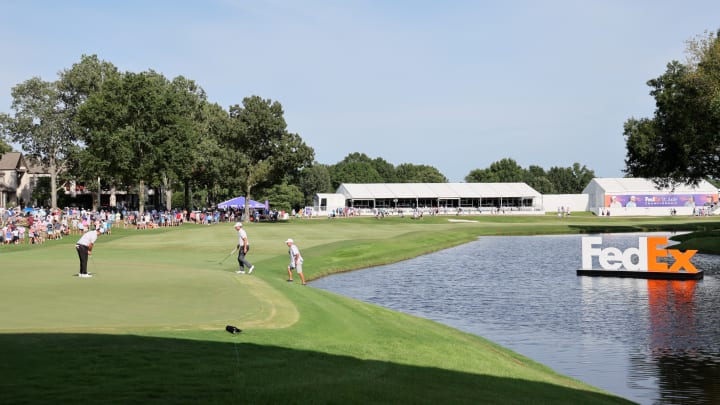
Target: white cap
point(238, 224)
point(289, 241)
point(101, 229)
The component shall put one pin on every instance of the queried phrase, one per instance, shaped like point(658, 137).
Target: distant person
point(296, 261)
point(84, 247)
point(243, 247)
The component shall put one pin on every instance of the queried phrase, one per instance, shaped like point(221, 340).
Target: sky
point(456, 85)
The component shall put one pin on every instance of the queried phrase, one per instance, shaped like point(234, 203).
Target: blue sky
point(456, 85)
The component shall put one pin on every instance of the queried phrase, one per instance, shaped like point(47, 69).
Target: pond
point(648, 341)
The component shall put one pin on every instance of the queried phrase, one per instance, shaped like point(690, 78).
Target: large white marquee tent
point(471, 196)
point(640, 196)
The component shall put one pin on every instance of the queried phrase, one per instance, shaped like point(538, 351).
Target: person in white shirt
point(243, 246)
point(84, 247)
point(296, 261)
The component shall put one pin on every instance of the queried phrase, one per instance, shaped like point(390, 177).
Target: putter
point(229, 254)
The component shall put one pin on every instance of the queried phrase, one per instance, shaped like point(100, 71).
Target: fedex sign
point(646, 255)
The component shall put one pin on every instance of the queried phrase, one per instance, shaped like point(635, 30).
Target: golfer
point(296, 261)
point(243, 246)
point(84, 247)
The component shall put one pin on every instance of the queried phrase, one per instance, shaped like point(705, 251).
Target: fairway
point(151, 323)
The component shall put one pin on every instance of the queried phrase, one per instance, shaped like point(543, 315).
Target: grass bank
point(150, 326)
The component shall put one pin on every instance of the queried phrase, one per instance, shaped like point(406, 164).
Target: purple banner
point(660, 200)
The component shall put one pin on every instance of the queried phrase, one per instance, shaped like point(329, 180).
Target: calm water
point(653, 342)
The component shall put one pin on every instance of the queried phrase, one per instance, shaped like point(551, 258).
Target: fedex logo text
point(648, 252)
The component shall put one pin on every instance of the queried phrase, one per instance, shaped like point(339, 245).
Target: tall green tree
point(681, 142)
point(261, 148)
point(570, 180)
point(211, 163)
point(385, 169)
point(536, 178)
point(75, 85)
point(42, 125)
point(185, 108)
point(355, 168)
point(312, 180)
point(139, 129)
point(285, 197)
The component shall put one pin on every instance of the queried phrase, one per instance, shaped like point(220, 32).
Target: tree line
point(128, 131)
point(680, 143)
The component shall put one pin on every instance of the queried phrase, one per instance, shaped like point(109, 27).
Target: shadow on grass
point(82, 368)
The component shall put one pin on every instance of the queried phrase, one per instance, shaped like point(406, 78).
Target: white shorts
point(298, 268)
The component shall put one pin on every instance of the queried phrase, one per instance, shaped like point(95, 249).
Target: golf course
point(149, 326)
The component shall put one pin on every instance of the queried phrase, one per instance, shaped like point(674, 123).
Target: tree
point(180, 142)
point(210, 161)
point(385, 169)
point(75, 85)
point(314, 179)
point(262, 150)
point(681, 142)
point(140, 129)
point(42, 125)
point(583, 177)
point(481, 176)
point(285, 197)
point(410, 173)
point(355, 168)
point(536, 178)
point(503, 171)
point(4, 147)
point(570, 180)
point(354, 172)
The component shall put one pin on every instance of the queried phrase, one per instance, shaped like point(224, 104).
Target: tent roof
point(435, 190)
point(646, 186)
point(239, 202)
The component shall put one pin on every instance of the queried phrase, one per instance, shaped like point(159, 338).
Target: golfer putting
point(243, 246)
point(296, 261)
point(84, 247)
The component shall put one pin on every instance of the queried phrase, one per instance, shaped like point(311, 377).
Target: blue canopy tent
point(239, 202)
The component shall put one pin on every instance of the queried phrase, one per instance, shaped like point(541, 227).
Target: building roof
point(12, 161)
point(645, 186)
point(15, 161)
point(436, 190)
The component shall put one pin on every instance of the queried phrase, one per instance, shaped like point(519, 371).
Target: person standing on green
point(296, 261)
point(243, 246)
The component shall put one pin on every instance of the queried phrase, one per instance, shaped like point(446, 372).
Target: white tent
point(470, 196)
point(639, 196)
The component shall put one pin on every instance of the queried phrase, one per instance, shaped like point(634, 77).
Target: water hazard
point(653, 342)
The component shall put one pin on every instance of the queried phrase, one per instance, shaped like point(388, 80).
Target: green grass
point(703, 241)
point(150, 326)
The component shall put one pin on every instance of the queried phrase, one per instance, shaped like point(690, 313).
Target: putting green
point(132, 291)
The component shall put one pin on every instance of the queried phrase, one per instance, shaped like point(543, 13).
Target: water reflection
point(647, 340)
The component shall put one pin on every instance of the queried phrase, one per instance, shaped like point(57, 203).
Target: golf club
point(229, 254)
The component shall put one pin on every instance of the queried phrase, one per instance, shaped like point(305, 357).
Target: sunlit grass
point(150, 325)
